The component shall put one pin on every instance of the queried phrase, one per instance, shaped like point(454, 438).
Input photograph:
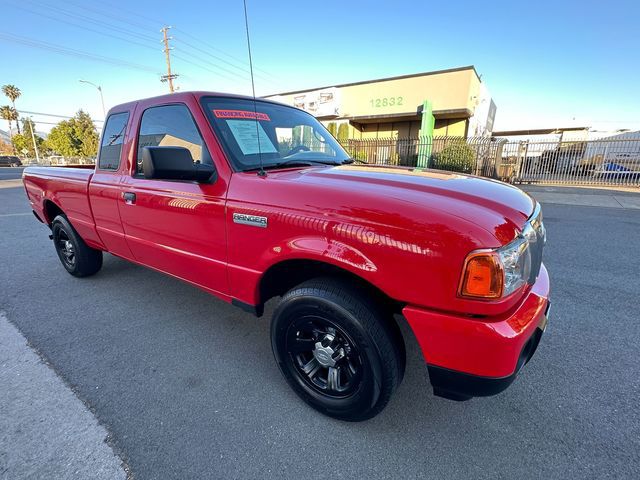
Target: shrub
point(343, 132)
point(455, 157)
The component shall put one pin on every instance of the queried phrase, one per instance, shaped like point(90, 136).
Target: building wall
point(454, 95)
point(405, 129)
point(447, 91)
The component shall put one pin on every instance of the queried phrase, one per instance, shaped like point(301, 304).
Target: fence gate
point(593, 162)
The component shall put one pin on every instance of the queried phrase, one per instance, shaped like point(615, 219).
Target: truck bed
point(66, 187)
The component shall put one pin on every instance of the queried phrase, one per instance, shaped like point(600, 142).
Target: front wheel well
point(283, 276)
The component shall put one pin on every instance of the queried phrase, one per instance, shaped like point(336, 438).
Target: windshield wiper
point(354, 160)
point(294, 162)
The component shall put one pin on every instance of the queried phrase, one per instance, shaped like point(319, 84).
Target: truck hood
point(488, 203)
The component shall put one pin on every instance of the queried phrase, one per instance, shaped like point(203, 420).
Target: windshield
point(284, 136)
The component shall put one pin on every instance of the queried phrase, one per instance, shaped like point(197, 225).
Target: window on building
point(171, 126)
point(112, 139)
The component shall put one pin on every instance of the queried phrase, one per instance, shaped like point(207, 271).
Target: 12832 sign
point(386, 102)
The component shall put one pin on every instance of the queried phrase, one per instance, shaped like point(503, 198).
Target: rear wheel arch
point(51, 211)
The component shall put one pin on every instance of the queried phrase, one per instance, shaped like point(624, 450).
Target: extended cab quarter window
point(171, 126)
point(112, 138)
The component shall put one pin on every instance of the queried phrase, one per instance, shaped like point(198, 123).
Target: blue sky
point(546, 63)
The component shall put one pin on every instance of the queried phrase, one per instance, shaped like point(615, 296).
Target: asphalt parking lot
point(186, 387)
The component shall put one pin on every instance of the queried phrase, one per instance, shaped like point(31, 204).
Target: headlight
point(492, 274)
point(516, 263)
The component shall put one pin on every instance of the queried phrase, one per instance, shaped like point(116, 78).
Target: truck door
point(175, 226)
point(104, 191)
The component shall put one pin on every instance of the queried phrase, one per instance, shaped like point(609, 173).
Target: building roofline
point(385, 79)
point(536, 131)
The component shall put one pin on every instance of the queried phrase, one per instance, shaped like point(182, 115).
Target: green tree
point(76, 137)
point(61, 139)
point(333, 128)
point(307, 136)
point(343, 133)
point(296, 135)
point(24, 141)
point(12, 93)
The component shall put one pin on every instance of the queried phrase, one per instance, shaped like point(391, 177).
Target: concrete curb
point(45, 430)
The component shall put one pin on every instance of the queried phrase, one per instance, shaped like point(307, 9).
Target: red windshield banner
point(241, 114)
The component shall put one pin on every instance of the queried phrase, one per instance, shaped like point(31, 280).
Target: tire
point(79, 259)
point(337, 348)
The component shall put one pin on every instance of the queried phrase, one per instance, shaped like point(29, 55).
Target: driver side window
point(171, 126)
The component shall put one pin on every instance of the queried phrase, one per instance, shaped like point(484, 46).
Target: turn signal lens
point(482, 276)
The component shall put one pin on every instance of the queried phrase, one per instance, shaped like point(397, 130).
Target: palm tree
point(12, 93)
point(8, 113)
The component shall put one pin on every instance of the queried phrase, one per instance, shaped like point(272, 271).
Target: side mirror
point(174, 163)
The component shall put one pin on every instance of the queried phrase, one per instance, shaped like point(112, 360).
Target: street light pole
point(104, 112)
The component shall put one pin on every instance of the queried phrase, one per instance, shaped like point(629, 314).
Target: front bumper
point(469, 357)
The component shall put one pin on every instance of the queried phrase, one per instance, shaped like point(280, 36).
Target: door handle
point(129, 198)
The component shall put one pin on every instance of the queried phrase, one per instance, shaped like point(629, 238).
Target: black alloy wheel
point(324, 355)
point(79, 259)
point(337, 348)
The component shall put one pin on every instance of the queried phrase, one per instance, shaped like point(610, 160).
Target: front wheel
point(79, 259)
point(336, 349)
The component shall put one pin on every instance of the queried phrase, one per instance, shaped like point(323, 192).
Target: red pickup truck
point(251, 201)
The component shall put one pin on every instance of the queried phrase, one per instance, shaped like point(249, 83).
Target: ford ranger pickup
point(251, 200)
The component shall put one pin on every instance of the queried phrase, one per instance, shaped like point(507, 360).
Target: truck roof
point(181, 96)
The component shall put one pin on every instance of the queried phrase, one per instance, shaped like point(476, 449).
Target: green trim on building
point(427, 125)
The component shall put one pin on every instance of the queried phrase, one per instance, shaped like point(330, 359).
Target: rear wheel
point(79, 259)
point(336, 349)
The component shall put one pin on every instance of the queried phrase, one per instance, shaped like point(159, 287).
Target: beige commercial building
point(393, 107)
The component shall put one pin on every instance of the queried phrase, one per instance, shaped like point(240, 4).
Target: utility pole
point(169, 77)
point(33, 137)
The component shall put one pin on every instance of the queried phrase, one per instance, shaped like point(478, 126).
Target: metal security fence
point(593, 162)
point(476, 155)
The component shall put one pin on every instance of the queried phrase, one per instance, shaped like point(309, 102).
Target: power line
point(205, 61)
point(102, 24)
point(195, 64)
point(30, 42)
point(202, 42)
point(99, 22)
point(51, 115)
point(77, 25)
point(142, 18)
point(121, 19)
point(134, 42)
point(111, 14)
